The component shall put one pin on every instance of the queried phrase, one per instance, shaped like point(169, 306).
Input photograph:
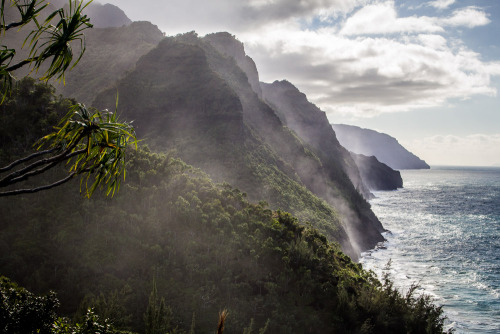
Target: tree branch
point(34, 190)
point(27, 158)
point(28, 172)
point(6, 180)
point(11, 25)
point(20, 64)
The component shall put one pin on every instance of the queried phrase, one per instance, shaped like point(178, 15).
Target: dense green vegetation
point(173, 248)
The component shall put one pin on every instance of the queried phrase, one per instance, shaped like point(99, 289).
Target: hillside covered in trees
point(202, 245)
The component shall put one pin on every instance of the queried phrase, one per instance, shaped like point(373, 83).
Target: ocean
point(445, 235)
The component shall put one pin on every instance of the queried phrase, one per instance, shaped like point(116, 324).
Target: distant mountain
point(384, 147)
point(101, 15)
point(110, 53)
point(107, 15)
point(377, 175)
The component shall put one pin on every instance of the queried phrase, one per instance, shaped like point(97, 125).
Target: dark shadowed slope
point(384, 147)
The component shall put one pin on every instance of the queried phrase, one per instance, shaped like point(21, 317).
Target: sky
point(425, 72)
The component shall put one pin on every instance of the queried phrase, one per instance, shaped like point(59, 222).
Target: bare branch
point(34, 190)
point(7, 179)
point(28, 172)
point(11, 25)
point(25, 159)
point(20, 64)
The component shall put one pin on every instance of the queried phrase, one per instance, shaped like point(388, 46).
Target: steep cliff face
point(322, 169)
point(177, 102)
point(384, 147)
point(229, 46)
point(311, 124)
point(376, 175)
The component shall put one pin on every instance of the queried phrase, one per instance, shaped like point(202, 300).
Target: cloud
point(382, 18)
point(235, 16)
point(474, 150)
point(370, 75)
point(469, 17)
point(272, 10)
point(441, 4)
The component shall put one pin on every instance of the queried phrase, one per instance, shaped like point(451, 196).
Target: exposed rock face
point(377, 175)
point(384, 147)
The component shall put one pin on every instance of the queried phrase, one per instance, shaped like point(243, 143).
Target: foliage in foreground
point(92, 142)
point(22, 312)
point(49, 42)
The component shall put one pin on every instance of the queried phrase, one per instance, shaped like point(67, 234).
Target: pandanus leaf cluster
point(91, 143)
point(49, 42)
point(94, 144)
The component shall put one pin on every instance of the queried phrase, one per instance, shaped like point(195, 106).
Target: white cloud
point(235, 16)
point(472, 150)
point(469, 17)
point(441, 4)
point(367, 75)
point(382, 18)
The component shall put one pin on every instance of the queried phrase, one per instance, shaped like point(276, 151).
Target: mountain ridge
point(179, 89)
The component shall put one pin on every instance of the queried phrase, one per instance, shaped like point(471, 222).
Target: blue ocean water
point(445, 235)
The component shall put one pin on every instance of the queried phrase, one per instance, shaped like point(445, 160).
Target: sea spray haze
point(445, 235)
